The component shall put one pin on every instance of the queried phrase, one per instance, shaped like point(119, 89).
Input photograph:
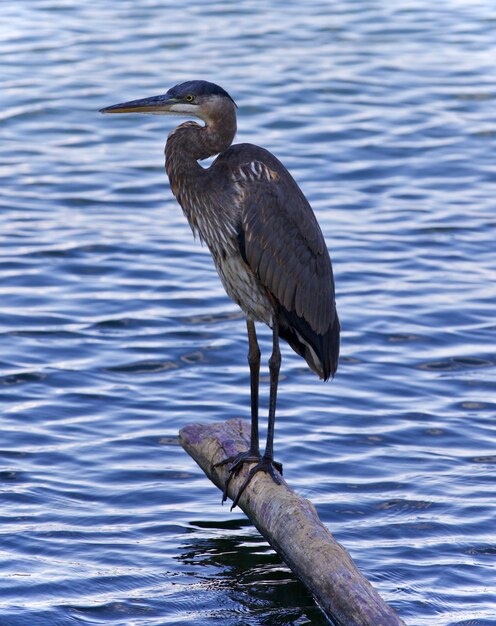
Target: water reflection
point(251, 573)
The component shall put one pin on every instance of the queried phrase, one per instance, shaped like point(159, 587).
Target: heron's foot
point(237, 461)
point(265, 464)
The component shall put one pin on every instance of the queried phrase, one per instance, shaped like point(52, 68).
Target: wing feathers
point(285, 247)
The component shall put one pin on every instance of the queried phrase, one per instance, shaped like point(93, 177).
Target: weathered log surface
point(292, 527)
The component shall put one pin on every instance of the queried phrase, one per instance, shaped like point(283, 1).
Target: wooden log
point(292, 527)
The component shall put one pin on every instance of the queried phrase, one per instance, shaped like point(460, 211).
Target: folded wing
point(284, 246)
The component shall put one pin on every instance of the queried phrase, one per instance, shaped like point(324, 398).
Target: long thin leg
point(274, 367)
point(253, 454)
point(267, 464)
point(254, 363)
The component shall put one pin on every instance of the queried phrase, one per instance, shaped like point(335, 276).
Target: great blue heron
point(264, 238)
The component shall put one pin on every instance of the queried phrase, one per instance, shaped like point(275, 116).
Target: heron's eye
point(189, 98)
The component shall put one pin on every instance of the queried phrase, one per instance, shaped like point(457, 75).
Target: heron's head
point(197, 98)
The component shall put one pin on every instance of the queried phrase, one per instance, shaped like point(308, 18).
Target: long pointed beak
point(155, 104)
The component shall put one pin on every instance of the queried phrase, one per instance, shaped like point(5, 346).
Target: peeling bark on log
point(292, 527)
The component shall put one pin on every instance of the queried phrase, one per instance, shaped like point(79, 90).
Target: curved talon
point(237, 460)
point(264, 465)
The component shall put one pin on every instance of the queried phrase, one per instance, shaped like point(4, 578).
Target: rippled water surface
point(115, 330)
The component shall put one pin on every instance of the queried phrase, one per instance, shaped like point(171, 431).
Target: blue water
point(115, 331)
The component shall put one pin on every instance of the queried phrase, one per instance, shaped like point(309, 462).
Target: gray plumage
point(264, 238)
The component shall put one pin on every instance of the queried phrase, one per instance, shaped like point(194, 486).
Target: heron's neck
point(197, 189)
point(190, 142)
point(190, 182)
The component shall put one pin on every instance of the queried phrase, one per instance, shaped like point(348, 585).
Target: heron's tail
point(321, 352)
